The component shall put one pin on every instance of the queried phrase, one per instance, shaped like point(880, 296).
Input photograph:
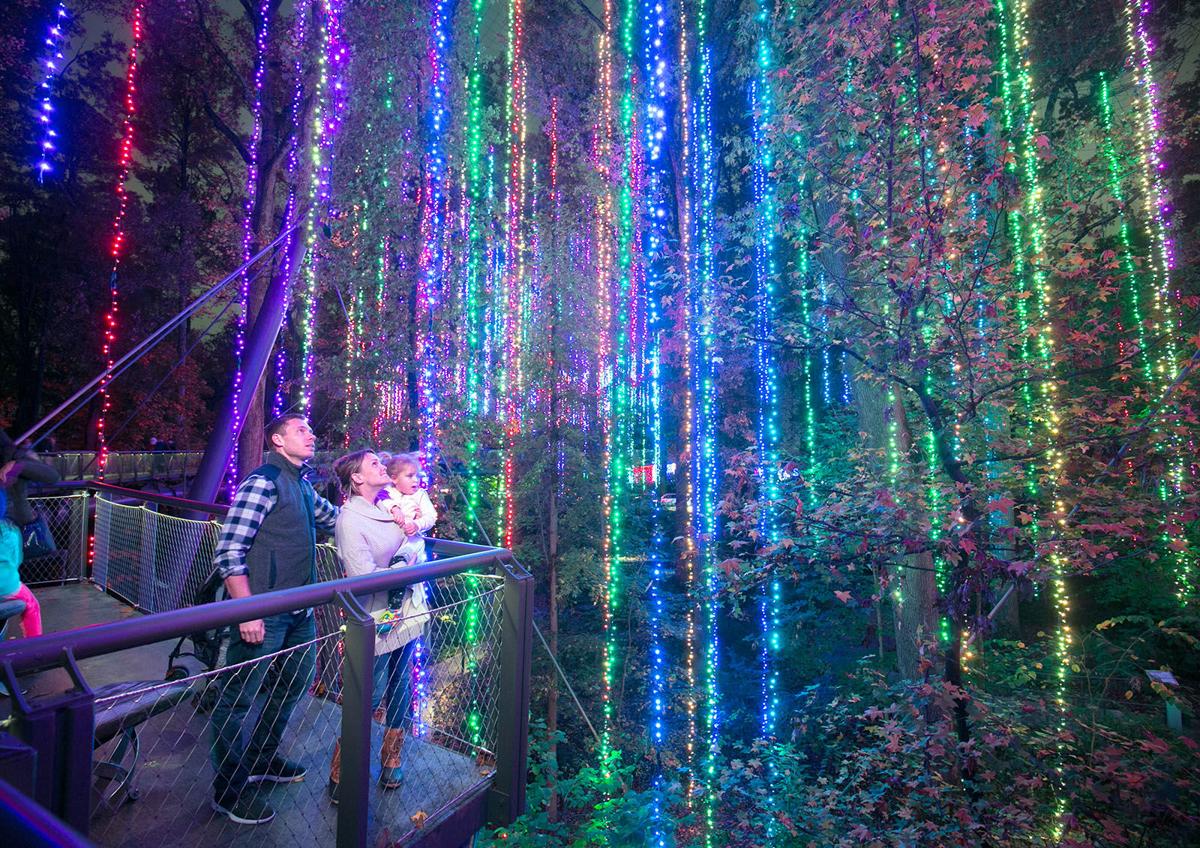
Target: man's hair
point(277, 425)
point(395, 464)
point(344, 467)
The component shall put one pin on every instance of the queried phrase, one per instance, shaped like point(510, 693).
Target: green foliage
point(881, 765)
point(596, 809)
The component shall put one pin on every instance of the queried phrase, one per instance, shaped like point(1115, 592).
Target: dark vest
point(283, 553)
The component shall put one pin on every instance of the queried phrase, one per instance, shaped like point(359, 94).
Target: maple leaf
point(1000, 505)
point(844, 597)
point(730, 566)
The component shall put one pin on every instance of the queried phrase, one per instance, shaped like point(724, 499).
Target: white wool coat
point(413, 548)
point(367, 538)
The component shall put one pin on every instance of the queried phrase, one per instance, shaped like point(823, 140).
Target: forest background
point(983, 530)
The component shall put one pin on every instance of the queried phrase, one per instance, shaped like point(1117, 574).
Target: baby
point(410, 506)
point(412, 510)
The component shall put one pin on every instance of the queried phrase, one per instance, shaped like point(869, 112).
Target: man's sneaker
point(247, 808)
point(278, 770)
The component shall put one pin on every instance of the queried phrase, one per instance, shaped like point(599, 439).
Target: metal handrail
point(58, 730)
point(25, 822)
point(26, 655)
point(183, 504)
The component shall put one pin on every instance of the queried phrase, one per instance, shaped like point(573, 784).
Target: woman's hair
point(395, 464)
point(345, 467)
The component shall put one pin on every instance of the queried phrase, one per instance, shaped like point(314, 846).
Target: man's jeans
point(291, 674)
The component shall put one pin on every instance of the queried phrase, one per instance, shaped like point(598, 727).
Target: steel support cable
point(182, 359)
point(553, 659)
point(153, 339)
point(150, 395)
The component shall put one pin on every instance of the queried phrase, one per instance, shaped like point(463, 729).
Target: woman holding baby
point(378, 528)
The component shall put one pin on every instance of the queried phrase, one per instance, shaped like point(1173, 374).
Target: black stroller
point(207, 646)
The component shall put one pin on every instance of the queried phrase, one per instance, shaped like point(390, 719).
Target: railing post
point(60, 730)
point(101, 533)
point(506, 798)
point(83, 504)
point(147, 562)
point(354, 788)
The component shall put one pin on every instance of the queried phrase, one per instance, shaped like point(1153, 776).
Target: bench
point(122, 717)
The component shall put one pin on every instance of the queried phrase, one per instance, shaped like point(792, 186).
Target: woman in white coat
point(367, 539)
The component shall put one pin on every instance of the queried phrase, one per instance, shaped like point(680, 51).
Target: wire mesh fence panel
point(329, 620)
point(183, 551)
point(449, 730)
point(154, 561)
point(126, 466)
point(202, 755)
point(56, 543)
point(118, 550)
point(72, 465)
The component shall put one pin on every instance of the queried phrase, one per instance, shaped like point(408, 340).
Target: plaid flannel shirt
point(253, 500)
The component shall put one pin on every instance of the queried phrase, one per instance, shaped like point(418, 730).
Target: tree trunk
point(916, 614)
point(552, 556)
point(552, 694)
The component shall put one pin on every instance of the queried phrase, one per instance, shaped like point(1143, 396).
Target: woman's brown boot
point(335, 771)
point(389, 757)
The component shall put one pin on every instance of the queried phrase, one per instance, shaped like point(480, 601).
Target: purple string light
point(432, 260)
point(262, 34)
point(55, 39)
point(300, 33)
point(1158, 202)
point(331, 102)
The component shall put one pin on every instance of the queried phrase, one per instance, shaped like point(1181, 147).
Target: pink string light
point(117, 248)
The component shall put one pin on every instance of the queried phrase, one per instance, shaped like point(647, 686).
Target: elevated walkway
point(78, 605)
point(463, 759)
point(127, 468)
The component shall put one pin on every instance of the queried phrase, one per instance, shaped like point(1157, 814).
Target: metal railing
point(126, 466)
point(130, 529)
point(467, 678)
point(152, 560)
point(57, 544)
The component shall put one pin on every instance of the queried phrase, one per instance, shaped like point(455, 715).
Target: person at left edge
point(268, 541)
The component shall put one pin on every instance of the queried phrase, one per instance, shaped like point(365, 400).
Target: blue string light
point(654, 69)
point(705, 391)
point(432, 258)
point(55, 40)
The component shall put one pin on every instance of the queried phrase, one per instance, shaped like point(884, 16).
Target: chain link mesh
point(170, 797)
point(449, 746)
point(126, 466)
point(56, 543)
point(450, 736)
point(329, 620)
point(155, 562)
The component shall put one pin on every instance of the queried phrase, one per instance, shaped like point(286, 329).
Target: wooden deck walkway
point(174, 775)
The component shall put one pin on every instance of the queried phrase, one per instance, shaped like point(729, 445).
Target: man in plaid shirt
point(268, 542)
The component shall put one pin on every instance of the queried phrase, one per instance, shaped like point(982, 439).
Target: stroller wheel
point(176, 672)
